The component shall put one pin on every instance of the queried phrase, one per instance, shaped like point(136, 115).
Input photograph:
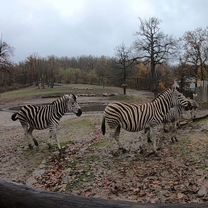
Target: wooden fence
point(13, 195)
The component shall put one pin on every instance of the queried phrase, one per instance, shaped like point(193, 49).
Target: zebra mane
point(74, 97)
point(59, 99)
point(161, 94)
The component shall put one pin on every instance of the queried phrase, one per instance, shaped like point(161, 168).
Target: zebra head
point(179, 99)
point(193, 107)
point(72, 104)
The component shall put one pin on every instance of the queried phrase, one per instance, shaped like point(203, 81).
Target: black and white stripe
point(46, 116)
point(173, 116)
point(175, 113)
point(134, 118)
point(193, 106)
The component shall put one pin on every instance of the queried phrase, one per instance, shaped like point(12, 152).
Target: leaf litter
point(87, 168)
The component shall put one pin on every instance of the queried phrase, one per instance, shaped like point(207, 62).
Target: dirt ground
point(179, 174)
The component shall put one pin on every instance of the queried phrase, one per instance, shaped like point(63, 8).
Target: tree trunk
point(13, 195)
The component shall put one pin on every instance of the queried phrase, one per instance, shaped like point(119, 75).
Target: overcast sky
point(90, 27)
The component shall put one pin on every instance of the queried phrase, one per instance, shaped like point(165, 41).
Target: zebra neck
point(162, 106)
point(59, 109)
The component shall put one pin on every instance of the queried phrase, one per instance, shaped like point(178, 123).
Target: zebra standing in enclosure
point(46, 116)
point(193, 106)
point(134, 118)
point(174, 115)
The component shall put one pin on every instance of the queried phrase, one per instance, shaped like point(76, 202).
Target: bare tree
point(153, 46)
point(195, 46)
point(5, 64)
point(125, 60)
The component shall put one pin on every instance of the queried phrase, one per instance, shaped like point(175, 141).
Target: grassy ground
point(61, 89)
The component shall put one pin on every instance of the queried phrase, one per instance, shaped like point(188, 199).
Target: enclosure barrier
point(13, 195)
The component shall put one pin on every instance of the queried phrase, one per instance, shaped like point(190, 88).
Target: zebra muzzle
point(79, 113)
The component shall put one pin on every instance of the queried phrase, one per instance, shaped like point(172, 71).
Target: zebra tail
point(14, 117)
point(103, 126)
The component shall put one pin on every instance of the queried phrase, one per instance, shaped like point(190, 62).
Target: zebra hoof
point(174, 139)
point(141, 151)
point(124, 150)
point(49, 146)
point(30, 146)
point(35, 142)
point(60, 152)
point(152, 153)
point(115, 153)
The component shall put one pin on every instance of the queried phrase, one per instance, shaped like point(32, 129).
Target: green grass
point(100, 143)
point(30, 92)
point(70, 88)
point(59, 90)
point(92, 159)
point(126, 98)
point(199, 122)
point(79, 180)
point(72, 164)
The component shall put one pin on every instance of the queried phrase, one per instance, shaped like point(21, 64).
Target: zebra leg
point(114, 133)
point(164, 127)
point(27, 136)
point(49, 139)
point(116, 136)
point(152, 136)
point(54, 136)
point(147, 135)
point(174, 130)
point(30, 133)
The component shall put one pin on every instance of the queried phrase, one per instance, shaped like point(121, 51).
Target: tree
point(183, 74)
point(101, 68)
point(139, 77)
point(5, 64)
point(153, 46)
point(68, 75)
point(124, 61)
point(195, 46)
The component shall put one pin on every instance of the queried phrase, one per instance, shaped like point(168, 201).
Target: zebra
point(46, 116)
point(193, 106)
point(134, 118)
point(174, 115)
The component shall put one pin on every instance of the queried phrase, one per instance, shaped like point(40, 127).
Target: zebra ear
point(173, 87)
point(73, 96)
point(67, 96)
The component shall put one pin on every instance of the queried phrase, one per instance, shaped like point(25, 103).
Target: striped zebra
point(134, 118)
point(193, 106)
point(46, 116)
point(174, 115)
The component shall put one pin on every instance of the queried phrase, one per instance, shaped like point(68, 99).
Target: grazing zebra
point(174, 115)
point(134, 118)
point(46, 116)
point(193, 106)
